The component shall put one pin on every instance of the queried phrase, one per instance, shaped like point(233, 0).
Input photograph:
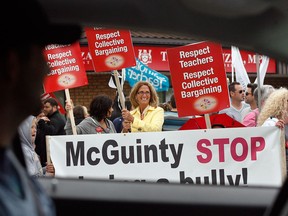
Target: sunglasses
point(247, 93)
point(241, 91)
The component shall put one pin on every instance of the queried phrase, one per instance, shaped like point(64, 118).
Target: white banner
point(236, 156)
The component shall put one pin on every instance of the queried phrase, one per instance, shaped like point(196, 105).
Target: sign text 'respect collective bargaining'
point(198, 78)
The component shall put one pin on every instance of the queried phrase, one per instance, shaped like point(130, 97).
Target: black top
point(54, 127)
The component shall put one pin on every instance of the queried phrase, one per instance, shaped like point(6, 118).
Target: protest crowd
point(134, 136)
point(140, 111)
point(146, 114)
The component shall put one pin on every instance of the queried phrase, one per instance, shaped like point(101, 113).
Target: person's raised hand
point(126, 115)
point(69, 105)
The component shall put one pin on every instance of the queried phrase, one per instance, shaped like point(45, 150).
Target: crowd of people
point(25, 131)
point(143, 115)
point(258, 106)
point(264, 106)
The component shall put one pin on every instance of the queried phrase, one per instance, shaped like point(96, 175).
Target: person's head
point(23, 66)
point(249, 94)
point(50, 106)
point(165, 106)
point(101, 107)
point(27, 131)
point(265, 91)
point(143, 94)
point(236, 92)
point(126, 125)
point(173, 102)
point(79, 112)
point(276, 105)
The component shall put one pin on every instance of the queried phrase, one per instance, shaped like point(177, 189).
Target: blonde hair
point(276, 106)
point(154, 100)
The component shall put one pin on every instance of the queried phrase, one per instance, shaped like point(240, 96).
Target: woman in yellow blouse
point(146, 115)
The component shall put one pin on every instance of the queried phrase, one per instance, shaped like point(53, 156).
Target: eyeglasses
point(241, 91)
point(247, 93)
point(142, 93)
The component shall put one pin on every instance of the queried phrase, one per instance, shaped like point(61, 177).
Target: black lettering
point(152, 148)
point(163, 147)
point(70, 152)
point(184, 180)
point(130, 158)
point(162, 180)
point(89, 156)
point(114, 153)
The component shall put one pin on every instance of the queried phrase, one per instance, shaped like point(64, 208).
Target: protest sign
point(198, 78)
point(111, 49)
point(236, 156)
point(66, 67)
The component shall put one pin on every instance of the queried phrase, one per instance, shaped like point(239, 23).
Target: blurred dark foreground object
point(33, 27)
point(133, 198)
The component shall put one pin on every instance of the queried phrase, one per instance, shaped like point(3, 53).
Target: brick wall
point(97, 84)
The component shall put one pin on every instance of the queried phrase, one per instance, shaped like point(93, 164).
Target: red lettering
point(221, 143)
point(201, 148)
point(239, 149)
point(233, 149)
point(255, 148)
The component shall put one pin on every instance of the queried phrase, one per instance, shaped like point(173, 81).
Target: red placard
point(111, 49)
point(198, 78)
point(66, 67)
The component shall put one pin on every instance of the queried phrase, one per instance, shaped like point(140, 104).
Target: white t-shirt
point(236, 114)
